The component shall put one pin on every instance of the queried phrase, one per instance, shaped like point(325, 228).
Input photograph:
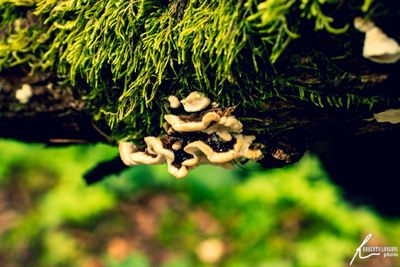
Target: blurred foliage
point(143, 217)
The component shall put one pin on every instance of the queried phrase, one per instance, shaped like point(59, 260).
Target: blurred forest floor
point(144, 217)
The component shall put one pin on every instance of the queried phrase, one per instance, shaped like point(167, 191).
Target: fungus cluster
point(199, 133)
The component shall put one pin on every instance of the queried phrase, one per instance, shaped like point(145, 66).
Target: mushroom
point(195, 102)
point(24, 93)
point(180, 125)
point(242, 146)
point(174, 101)
point(224, 127)
point(389, 115)
point(378, 47)
point(140, 158)
point(220, 142)
point(198, 148)
point(130, 156)
point(155, 146)
point(203, 153)
point(125, 150)
point(179, 173)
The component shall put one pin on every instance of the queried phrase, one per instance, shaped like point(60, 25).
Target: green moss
point(127, 56)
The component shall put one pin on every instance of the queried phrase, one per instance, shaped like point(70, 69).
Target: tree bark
point(354, 148)
point(55, 115)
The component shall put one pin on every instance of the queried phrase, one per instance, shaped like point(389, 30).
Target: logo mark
point(358, 250)
point(375, 251)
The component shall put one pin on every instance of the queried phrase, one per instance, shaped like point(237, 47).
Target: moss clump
point(126, 56)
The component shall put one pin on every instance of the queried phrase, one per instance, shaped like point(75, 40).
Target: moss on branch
point(127, 57)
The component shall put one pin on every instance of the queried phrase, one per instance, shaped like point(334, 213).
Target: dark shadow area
point(366, 168)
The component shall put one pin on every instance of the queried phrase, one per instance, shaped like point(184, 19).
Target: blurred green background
point(144, 217)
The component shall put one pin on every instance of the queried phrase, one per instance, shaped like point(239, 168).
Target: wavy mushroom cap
point(131, 156)
point(155, 146)
point(199, 147)
point(380, 48)
point(140, 158)
point(195, 102)
point(242, 146)
point(180, 125)
point(224, 127)
point(125, 150)
point(179, 173)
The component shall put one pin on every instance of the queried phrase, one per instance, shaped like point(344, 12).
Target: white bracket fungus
point(378, 47)
point(210, 137)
